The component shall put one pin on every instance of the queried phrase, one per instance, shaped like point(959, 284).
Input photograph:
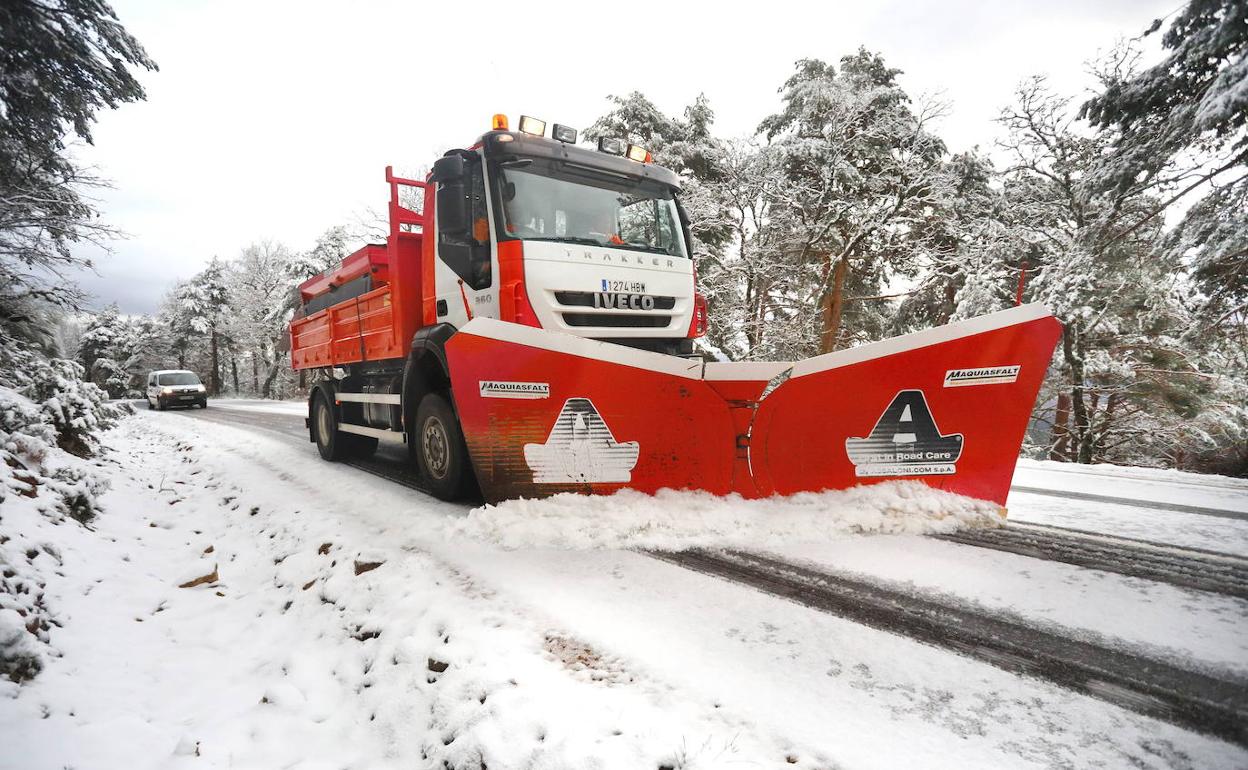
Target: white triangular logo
point(905, 415)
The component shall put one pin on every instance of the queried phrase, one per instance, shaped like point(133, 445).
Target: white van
point(175, 387)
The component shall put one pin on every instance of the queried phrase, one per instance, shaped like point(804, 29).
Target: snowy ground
point(524, 636)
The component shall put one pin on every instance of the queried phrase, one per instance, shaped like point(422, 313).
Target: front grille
point(586, 299)
point(617, 320)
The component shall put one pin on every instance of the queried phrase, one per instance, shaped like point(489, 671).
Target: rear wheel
point(441, 453)
point(332, 443)
point(325, 429)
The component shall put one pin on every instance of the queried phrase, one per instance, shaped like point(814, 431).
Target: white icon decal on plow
point(580, 449)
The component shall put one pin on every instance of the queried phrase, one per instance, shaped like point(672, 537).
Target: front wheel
point(441, 453)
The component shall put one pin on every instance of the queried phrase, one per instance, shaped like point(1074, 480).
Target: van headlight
point(200, 388)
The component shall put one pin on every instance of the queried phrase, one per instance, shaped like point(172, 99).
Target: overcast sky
point(276, 119)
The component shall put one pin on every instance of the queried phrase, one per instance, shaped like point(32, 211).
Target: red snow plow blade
point(545, 412)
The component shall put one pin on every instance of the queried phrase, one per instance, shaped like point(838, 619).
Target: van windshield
point(545, 201)
point(177, 378)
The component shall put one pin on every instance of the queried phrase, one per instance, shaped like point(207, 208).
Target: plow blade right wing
point(948, 405)
point(544, 412)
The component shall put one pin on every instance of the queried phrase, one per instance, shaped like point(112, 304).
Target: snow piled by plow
point(675, 520)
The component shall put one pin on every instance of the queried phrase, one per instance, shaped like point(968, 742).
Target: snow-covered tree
point(861, 169)
point(259, 284)
point(1099, 266)
point(60, 62)
point(102, 350)
point(203, 306)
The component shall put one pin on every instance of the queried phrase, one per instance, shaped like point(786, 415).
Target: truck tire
point(325, 429)
point(441, 454)
point(333, 444)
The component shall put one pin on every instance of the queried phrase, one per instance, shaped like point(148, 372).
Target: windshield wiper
point(569, 239)
point(644, 247)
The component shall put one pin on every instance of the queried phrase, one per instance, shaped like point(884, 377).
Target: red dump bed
point(378, 323)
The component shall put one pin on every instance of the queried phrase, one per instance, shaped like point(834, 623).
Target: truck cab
point(545, 233)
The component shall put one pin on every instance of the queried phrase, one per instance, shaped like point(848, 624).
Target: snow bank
point(674, 520)
point(50, 420)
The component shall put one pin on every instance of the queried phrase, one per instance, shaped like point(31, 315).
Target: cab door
point(465, 273)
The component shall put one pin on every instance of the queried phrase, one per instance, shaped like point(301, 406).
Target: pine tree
point(204, 301)
point(861, 169)
point(60, 62)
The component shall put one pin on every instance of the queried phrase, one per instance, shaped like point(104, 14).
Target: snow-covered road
point(560, 656)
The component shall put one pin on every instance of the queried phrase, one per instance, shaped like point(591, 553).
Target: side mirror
point(449, 168)
point(453, 209)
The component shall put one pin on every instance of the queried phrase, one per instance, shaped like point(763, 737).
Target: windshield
point(545, 202)
point(177, 378)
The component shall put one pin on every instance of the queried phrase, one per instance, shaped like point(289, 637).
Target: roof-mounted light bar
point(612, 146)
point(565, 134)
point(639, 154)
point(532, 126)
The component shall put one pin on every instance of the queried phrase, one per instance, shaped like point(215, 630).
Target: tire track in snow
point(1133, 502)
point(389, 463)
point(1147, 686)
point(1187, 568)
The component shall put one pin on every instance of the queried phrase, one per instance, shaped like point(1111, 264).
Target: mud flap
point(544, 412)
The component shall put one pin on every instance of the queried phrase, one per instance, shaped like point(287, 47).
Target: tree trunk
point(1060, 450)
point(275, 368)
point(832, 305)
point(234, 372)
point(255, 374)
point(216, 365)
point(1072, 350)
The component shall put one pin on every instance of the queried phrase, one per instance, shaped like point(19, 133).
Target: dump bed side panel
point(360, 329)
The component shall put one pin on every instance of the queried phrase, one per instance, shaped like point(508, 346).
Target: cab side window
point(466, 249)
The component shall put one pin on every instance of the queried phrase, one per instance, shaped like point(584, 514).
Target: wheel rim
point(323, 428)
point(435, 447)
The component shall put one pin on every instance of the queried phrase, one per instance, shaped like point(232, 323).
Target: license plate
point(628, 287)
point(186, 398)
point(611, 301)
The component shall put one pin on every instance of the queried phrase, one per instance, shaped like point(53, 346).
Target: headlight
point(200, 388)
point(166, 391)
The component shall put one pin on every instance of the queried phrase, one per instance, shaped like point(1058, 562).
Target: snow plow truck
point(527, 328)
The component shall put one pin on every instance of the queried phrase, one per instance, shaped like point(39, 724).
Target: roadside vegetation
point(60, 62)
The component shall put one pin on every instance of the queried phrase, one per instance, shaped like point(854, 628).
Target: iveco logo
point(623, 301)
